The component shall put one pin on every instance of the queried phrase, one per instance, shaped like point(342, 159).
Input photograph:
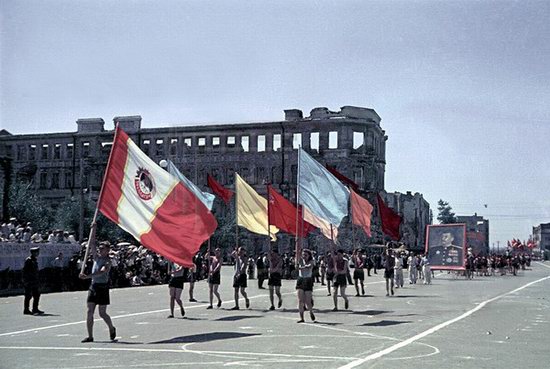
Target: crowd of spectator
point(15, 231)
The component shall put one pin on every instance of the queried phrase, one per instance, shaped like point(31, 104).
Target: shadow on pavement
point(415, 296)
point(208, 337)
point(385, 323)
point(372, 312)
point(236, 317)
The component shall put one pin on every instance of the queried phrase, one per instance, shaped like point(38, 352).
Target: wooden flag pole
point(236, 213)
point(297, 238)
point(91, 237)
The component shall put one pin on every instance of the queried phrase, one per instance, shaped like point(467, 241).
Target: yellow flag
point(252, 209)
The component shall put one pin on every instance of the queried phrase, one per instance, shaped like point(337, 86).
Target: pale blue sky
point(463, 87)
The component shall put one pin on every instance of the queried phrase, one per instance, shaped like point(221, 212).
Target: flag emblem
point(144, 183)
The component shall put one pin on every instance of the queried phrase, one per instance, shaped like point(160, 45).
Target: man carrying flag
point(153, 205)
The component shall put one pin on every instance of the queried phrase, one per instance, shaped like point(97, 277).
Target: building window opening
point(358, 139)
point(296, 141)
point(333, 140)
point(276, 142)
point(314, 141)
point(261, 143)
point(245, 141)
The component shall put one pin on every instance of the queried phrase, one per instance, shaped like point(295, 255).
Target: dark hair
point(308, 252)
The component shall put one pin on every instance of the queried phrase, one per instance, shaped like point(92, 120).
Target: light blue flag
point(206, 198)
point(320, 192)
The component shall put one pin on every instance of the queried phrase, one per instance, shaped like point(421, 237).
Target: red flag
point(342, 177)
point(282, 214)
point(361, 211)
point(219, 190)
point(390, 219)
point(152, 205)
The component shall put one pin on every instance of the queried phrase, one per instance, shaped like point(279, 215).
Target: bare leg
point(216, 293)
point(278, 293)
point(106, 318)
point(271, 297)
point(301, 301)
point(343, 293)
point(90, 319)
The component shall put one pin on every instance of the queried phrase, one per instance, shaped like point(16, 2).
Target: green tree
point(26, 206)
point(446, 216)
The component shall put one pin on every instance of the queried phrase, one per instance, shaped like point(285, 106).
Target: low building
point(416, 214)
point(541, 237)
point(477, 233)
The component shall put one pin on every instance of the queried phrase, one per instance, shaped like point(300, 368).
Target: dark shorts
point(176, 282)
point(214, 278)
point(388, 273)
point(330, 276)
point(274, 280)
point(99, 294)
point(359, 274)
point(340, 280)
point(304, 283)
point(240, 281)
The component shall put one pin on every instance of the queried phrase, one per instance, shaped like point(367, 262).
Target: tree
point(446, 216)
point(26, 206)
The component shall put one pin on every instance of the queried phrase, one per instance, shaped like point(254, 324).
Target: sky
point(463, 87)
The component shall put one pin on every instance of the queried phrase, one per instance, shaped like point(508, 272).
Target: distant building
point(416, 214)
point(541, 236)
point(477, 233)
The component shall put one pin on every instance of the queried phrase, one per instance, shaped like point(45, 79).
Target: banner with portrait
point(446, 246)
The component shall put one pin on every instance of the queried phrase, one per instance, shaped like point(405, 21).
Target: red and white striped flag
point(153, 205)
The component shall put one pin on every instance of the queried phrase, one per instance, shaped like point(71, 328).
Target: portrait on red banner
point(445, 246)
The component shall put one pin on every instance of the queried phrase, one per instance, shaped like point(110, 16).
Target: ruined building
point(60, 165)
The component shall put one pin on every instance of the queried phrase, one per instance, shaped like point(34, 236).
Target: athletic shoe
point(113, 334)
point(300, 321)
point(27, 312)
point(37, 312)
point(87, 339)
point(192, 300)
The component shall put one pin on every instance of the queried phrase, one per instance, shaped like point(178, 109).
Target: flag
point(361, 211)
point(342, 177)
point(252, 209)
point(324, 198)
point(390, 219)
point(282, 213)
point(206, 198)
point(218, 189)
point(152, 205)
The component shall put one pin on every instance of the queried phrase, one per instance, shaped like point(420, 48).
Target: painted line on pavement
point(407, 342)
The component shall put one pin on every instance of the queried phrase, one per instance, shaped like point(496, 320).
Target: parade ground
point(487, 322)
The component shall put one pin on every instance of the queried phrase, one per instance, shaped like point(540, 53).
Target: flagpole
point(236, 212)
point(352, 227)
point(91, 237)
point(297, 239)
point(268, 220)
